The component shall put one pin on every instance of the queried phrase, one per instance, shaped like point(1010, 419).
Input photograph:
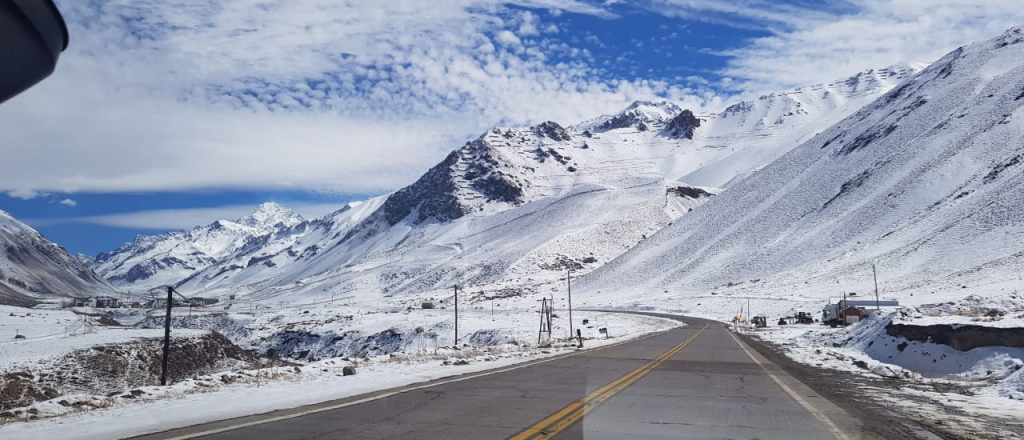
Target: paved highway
point(696, 382)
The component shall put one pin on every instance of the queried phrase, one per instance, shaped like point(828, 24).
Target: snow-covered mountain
point(747, 135)
point(156, 260)
point(32, 268)
point(927, 182)
point(518, 205)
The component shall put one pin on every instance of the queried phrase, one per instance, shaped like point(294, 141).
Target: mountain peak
point(270, 214)
point(271, 207)
point(640, 116)
point(662, 106)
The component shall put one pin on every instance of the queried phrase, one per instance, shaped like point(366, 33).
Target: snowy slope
point(510, 210)
point(32, 268)
point(474, 250)
point(926, 182)
point(269, 256)
point(752, 134)
point(157, 260)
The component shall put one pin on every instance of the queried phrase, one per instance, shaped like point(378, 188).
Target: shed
point(852, 315)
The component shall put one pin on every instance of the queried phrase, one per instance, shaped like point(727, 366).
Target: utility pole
point(456, 315)
point(568, 281)
point(748, 310)
point(874, 274)
point(167, 336)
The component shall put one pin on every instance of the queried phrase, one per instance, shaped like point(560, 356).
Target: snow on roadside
point(892, 356)
point(237, 393)
point(986, 380)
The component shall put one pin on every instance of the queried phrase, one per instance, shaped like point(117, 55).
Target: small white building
point(106, 302)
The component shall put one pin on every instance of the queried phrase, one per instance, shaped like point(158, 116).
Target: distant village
point(110, 302)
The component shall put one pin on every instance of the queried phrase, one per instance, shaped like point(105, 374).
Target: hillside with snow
point(926, 183)
point(157, 260)
point(515, 208)
point(32, 269)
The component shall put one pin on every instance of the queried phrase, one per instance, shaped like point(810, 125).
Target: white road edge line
point(814, 411)
point(399, 391)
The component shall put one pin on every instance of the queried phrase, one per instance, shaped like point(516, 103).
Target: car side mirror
point(32, 37)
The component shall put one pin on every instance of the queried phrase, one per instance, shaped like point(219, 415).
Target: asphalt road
point(697, 382)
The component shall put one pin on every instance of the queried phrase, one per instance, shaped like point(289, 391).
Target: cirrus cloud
point(177, 219)
point(815, 42)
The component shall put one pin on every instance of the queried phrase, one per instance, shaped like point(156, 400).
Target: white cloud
point(528, 27)
point(880, 34)
point(69, 202)
point(507, 38)
point(355, 97)
point(812, 46)
point(697, 79)
point(749, 14)
point(23, 193)
point(186, 218)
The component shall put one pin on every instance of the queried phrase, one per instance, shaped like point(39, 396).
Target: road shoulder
point(842, 390)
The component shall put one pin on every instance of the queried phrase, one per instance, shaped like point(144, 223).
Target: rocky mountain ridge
point(33, 269)
point(155, 260)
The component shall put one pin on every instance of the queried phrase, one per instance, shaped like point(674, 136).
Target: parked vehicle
point(836, 313)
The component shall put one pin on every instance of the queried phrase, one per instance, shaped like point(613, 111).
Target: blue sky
point(191, 110)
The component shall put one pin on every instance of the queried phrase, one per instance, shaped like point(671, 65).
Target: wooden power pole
point(167, 336)
point(874, 274)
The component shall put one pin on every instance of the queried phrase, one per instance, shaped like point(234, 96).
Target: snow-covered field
point(308, 331)
point(36, 323)
point(51, 333)
point(390, 346)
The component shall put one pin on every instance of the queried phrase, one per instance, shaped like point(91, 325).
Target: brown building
point(852, 315)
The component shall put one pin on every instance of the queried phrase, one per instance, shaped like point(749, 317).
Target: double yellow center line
point(565, 417)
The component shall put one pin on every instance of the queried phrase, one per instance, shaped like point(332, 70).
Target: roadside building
point(852, 315)
point(106, 302)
